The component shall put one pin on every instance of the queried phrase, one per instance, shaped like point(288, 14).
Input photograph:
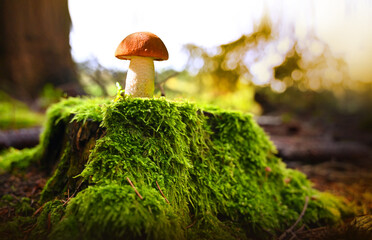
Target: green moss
point(56, 184)
point(209, 163)
point(12, 230)
point(114, 211)
point(49, 217)
point(24, 207)
point(79, 109)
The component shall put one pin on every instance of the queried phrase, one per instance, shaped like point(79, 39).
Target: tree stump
point(69, 149)
point(158, 169)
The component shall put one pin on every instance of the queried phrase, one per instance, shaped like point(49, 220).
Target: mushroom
point(141, 48)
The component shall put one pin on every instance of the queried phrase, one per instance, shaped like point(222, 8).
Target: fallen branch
point(294, 234)
point(49, 222)
point(192, 224)
point(68, 193)
point(28, 231)
point(162, 193)
point(20, 138)
point(38, 210)
point(290, 230)
point(138, 194)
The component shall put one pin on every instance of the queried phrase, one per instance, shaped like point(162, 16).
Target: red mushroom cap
point(143, 44)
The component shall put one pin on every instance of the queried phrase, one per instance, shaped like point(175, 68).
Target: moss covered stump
point(159, 169)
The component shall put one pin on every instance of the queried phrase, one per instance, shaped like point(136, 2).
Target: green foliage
point(15, 114)
point(280, 61)
point(185, 86)
point(211, 165)
point(99, 81)
point(49, 96)
point(18, 159)
point(226, 65)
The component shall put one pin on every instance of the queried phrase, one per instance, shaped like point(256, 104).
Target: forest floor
point(335, 157)
point(337, 160)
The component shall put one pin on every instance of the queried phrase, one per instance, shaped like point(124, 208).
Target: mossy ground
point(217, 169)
point(15, 114)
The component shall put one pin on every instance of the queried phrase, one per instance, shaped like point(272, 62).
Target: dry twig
point(68, 193)
point(192, 224)
point(138, 194)
point(290, 230)
point(162, 193)
point(161, 83)
point(38, 210)
point(49, 222)
point(294, 234)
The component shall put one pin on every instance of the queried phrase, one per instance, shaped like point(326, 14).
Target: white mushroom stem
point(140, 77)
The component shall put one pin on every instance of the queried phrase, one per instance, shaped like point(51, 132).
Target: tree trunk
point(35, 49)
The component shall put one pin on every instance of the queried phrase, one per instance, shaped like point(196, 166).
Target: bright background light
point(99, 26)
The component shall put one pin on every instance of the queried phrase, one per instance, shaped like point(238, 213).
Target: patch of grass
point(15, 114)
point(12, 158)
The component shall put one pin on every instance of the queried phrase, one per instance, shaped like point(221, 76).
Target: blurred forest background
point(264, 72)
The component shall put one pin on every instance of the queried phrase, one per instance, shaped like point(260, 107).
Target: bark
point(35, 49)
point(69, 145)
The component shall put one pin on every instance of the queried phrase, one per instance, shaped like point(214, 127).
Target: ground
point(336, 160)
